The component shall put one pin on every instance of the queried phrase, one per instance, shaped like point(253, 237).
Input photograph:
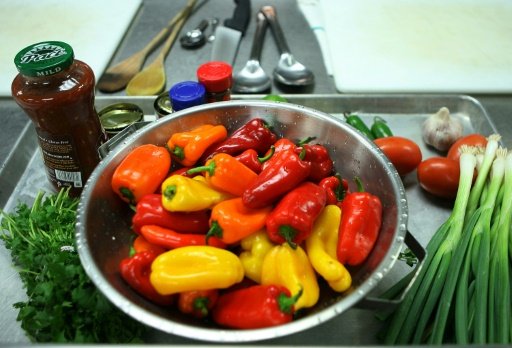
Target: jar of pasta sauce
point(56, 91)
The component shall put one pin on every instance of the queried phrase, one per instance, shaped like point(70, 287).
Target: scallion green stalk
point(481, 250)
point(499, 280)
point(433, 273)
point(476, 191)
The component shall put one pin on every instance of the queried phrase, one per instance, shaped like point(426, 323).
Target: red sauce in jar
point(57, 92)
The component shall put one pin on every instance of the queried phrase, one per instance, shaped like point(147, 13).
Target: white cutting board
point(94, 28)
point(420, 45)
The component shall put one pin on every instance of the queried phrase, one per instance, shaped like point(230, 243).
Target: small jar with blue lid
point(181, 96)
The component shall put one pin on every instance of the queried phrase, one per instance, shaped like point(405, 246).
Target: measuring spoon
point(289, 71)
point(252, 78)
point(195, 38)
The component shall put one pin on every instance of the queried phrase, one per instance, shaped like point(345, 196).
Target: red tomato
point(439, 176)
point(470, 140)
point(404, 153)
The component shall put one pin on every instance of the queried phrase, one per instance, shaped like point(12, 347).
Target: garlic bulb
point(441, 130)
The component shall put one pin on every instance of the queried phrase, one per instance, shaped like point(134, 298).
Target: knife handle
point(241, 16)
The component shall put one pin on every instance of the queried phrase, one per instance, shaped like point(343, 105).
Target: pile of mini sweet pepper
point(241, 228)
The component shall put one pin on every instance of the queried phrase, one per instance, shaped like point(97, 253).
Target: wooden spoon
point(117, 77)
point(151, 80)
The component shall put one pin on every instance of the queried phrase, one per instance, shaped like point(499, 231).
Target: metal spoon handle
point(270, 14)
point(259, 35)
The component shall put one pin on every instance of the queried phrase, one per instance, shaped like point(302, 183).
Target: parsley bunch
point(63, 304)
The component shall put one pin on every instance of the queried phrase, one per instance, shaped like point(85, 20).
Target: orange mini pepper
point(188, 147)
point(141, 172)
point(224, 172)
point(231, 221)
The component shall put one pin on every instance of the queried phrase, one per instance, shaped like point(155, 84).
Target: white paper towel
point(94, 28)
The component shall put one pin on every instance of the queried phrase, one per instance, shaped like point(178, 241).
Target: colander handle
point(384, 304)
point(105, 148)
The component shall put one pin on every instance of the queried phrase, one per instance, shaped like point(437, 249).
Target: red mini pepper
point(335, 188)
point(280, 145)
point(170, 239)
point(135, 271)
point(359, 227)
point(140, 244)
point(251, 159)
point(287, 171)
point(150, 211)
point(321, 161)
point(255, 134)
point(197, 303)
point(255, 307)
point(292, 219)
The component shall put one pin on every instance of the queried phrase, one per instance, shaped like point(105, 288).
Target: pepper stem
point(201, 305)
point(302, 153)
point(379, 119)
point(214, 231)
point(128, 194)
point(178, 151)
point(359, 183)
point(170, 191)
point(267, 157)
point(305, 141)
point(288, 233)
point(340, 191)
point(286, 303)
point(210, 168)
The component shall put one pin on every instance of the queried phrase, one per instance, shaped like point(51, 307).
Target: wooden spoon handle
point(176, 29)
point(157, 39)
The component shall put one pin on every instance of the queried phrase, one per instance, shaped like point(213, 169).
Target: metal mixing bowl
point(103, 222)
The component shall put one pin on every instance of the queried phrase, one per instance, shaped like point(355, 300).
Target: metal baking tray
point(22, 175)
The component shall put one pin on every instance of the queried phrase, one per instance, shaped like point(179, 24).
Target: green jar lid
point(44, 58)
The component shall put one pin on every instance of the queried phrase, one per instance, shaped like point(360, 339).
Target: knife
point(228, 36)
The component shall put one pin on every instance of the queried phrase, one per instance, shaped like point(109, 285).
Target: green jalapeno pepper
point(356, 122)
point(380, 128)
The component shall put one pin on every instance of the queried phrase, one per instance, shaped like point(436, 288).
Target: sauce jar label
point(60, 159)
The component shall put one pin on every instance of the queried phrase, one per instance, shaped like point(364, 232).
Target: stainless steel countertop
point(181, 65)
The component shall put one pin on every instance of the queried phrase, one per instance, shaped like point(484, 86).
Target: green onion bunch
point(462, 291)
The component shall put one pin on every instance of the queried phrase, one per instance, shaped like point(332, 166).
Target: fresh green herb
point(63, 304)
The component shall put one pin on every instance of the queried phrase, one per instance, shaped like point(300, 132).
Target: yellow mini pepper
point(188, 147)
point(255, 247)
point(195, 268)
point(180, 193)
point(321, 249)
point(291, 268)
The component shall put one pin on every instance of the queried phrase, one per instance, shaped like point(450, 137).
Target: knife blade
point(228, 36)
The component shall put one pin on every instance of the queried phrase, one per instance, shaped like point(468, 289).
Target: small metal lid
point(116, 117)
point(162, 104)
